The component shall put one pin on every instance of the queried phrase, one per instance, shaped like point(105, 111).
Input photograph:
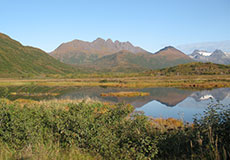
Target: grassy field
point(86, 129)
point(185, 81)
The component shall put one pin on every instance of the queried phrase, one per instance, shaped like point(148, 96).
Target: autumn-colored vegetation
point(178, 81)
point(33, 94)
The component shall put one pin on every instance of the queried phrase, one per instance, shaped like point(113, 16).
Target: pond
point(162, 102)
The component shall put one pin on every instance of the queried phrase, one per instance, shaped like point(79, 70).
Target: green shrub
point(110, 131)
point(97, 128)
point(4, 92)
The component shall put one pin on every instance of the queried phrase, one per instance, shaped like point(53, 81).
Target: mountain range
point(108, 56)
point(218, 56)
point(80, 52)
point(100, 55)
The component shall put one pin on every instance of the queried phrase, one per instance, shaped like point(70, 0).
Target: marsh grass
point(32, 94)
point(125, 94)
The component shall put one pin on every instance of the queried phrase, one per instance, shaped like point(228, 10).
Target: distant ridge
point(170, 52)
point(125, 61)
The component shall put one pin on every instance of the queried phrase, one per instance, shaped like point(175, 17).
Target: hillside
point(125, 61)
point(81, 52)
point(169, 56)
point(17, 60)
point(195, 68)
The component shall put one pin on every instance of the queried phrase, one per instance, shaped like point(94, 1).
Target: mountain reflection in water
point(162, 102)
point(193, 104)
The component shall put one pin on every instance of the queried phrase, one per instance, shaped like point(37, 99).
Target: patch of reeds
point(125, 94)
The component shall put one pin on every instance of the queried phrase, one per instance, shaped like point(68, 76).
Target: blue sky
point(151, 24)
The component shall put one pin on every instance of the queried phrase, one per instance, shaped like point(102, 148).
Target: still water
point(162, 102)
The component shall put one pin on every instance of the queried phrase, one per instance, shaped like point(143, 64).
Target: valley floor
point(191, 82)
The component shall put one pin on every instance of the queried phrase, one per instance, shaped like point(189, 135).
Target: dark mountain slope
point(17, 60)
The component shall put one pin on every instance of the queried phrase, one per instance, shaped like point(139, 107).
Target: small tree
point(4, 92)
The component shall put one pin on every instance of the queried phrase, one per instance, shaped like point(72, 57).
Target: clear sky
point(150, 24)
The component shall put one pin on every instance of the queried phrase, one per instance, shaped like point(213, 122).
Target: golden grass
point(166, 124)
point(196, 82)
point(124, 94)
point(33, 94)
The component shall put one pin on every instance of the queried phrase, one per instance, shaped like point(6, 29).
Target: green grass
point(47, 151)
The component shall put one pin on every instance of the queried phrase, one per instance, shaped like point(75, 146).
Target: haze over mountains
point(215, 52)
point(106, 55)
point(207, 46)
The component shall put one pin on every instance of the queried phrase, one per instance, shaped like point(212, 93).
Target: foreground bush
point(94, 127)
point(95, 130)
point(207, 138)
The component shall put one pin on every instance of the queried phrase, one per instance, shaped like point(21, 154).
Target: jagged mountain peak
point(77, 51)
point(99, 40)
point(109, 40)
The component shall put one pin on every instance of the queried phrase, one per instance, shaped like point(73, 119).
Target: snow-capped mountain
point(218, 56)
point(202, 53)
